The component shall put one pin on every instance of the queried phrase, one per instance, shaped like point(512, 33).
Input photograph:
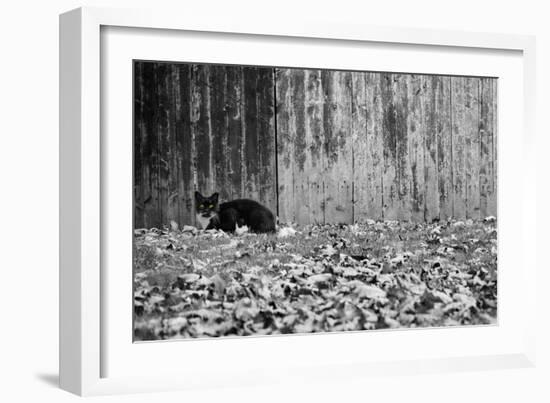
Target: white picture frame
point(82, 169)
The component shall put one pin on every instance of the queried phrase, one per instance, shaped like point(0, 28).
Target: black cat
point(226, 216)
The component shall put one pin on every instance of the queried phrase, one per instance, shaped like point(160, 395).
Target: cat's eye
point(211, 206)
point(201, 205)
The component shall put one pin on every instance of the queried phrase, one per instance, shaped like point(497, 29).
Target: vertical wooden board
point(168, 171)
point(147, 145)
point(431, 118)
point(416, 128)
point(465, 146)
point(161, 133)
point(487, 136)
point(219, 129)
point(362, 176)
point(459, 116)
point(251, 135)
point(443, 126)
point(338, 157)
point(266, 128)
point(314, 133)
point(374, 169)
point(184, 145)
point(472, 148)
point(234, 130)
point(177, 174)
point(200, 127)
point(401, 102)
point(389, 135)
point(153, 208)
point(138, 161)
point(300, 157)
point(492, 203)
point(397, 204)
point(286, 133)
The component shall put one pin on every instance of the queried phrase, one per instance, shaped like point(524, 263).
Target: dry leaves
point(194, 283)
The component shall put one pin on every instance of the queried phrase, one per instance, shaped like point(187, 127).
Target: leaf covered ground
point(319, 278)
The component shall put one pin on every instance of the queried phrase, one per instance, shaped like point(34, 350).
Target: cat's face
point(206, 207)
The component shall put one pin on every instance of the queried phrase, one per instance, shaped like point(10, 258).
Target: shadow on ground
point(49, 379)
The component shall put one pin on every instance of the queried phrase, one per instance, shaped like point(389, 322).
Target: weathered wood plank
point(138, 161)
point(492, 207)
point(301, 160)
point(154, 208)
point(338, 146)
point(146, 144)
point(465, 147)
point(487, 172)
point(459, 116)
point(473, 150)
point(251, 136)
point(266, 128)
point(397, 204)
point(389, 135)
point(416, 128)
point(437, 157)
point(184, 144)
point(443, 113)
point(401, 102)
point(375, 146)
point(362, 175)
point(367, 122)
point(162, 132)
point(286, 133)
point(234, 83)
point(200, 127)
point(432, 118)
point(314, 100)
point(173, 205)
point(218, 122)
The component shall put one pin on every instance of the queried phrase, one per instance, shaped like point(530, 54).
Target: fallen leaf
point(370, 291)
point(285, 232)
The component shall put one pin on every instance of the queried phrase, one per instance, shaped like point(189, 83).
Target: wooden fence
point(349, 145)
point(203, 127)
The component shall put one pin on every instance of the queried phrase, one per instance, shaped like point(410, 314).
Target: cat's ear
point(198, 196)
point(214, 197)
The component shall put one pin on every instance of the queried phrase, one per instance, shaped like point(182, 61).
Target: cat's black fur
point(226, 216)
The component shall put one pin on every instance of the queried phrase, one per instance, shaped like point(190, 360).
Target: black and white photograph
point(271, 200)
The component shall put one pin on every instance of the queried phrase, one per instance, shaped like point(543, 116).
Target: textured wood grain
point(315, 137)
point(317, 146)
point(487, 161)
point(301, 160)
point(219, 124)
point(184, 143)
point(338, 146)
point(361, 178)
point(266, 179)
point(397, 173)
point(465, 146)
point(416, 133)
point(286, 134)
point(375, 148)
point(432, 118)
point(443, 122)
point(251, 132)
point(459, 115)
point(139, 162)
point(492, 206)
point(201, 127)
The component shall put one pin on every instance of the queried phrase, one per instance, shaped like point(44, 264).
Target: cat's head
point(206, 206)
